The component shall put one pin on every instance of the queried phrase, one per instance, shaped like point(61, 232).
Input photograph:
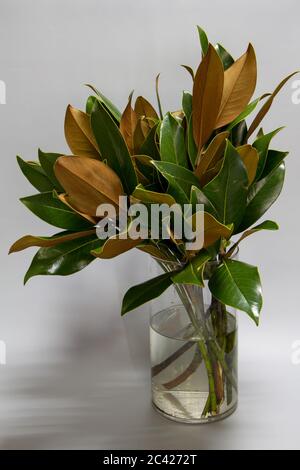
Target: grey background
point(77, 375)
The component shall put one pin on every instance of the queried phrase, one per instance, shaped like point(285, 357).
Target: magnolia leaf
point(143, 163)
point(64, 198)
point(149, 146)
point(128, 124)
point(226, 58)
point(29, 241)
point(207, 96)
point(266, 225)
point(79, 135)
point(145, 110)
point(189, 70)
point(250, 158)
point(180, 180)
point(262, 195)
point(54, 212)
point(192, 273)
point(210, 157)
point(238, 285)
point(274, 158)
point(264, 110)
point(35, 175)
point(107, 104)
point(187, 104)
point(228, 190)
point(245, 113)
point(115, 246)
point(113, 147)
point(203, 40)
point(63, 259)
point(172, 142)
point(47, 161)
point(158, 97)
point(142, 293)
point(262, 146)
point(152, 197)
point(88, 183)
point(238, 134)
point(239, 86)
point(213, 230)
point(198, 197)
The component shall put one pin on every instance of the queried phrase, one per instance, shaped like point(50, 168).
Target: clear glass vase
point(193, 341)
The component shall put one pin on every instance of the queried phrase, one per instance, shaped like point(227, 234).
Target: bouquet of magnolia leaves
point(204, 153)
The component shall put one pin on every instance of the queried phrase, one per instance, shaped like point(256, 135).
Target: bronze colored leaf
point(145, 109)
point(207, 96)
point(115, 246)
point(141, 131)
point(239, 86)
point(88, 183)
point(261, 114)
point(213, 229)
point(29, 241)
point(250, 157)
point(128, 124)
point(79, 135)
point(154, 251)
point(210, 157)
point(65, 199)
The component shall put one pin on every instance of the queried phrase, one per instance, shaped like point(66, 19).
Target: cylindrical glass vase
point(193, 341)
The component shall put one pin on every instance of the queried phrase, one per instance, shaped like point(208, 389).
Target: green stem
point(210, 376)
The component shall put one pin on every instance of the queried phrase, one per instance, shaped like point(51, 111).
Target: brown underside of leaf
point(239, 85)
point(88, 183)
point(79, 135)
point(211, 156)
point(207, 96)
point(250, 157)
point(128, 124)
point(29, 241)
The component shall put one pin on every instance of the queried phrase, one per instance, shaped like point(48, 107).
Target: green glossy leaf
point(274, 158)
point(187, 104)
point(226, 58)
point(238, 134)
point(198, 197)
point(149, 146)
point(112, 147)
point(54, 212)
point(203, 40)
point(63, 259)
point(262, 146)
point(227, 192)
point(152, 197)
point(192, 273)
point(142, 293)
point(238, 285)
point(90, 104)
point(107, 104)
point(172, 142)
point(262, 195)
point(47, 161)
point(35, 175)
point(180, 180)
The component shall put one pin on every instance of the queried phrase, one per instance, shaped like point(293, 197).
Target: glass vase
point(193, 342)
